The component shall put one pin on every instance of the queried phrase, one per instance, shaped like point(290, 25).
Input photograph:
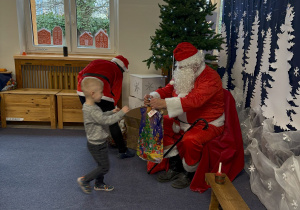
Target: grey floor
point(39, 168)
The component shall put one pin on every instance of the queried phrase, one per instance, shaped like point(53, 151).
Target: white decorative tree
point(223, 54)
point(264, 68)
point(279, 94)
point(238, 64)
point(251, 53)
point(245, 92)
point(225, 80)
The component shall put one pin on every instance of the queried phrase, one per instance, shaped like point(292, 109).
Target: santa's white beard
point(184, 79)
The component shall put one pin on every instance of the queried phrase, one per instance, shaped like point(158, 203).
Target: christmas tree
point(183, 21)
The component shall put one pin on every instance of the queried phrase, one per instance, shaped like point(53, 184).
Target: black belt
point(98, 75)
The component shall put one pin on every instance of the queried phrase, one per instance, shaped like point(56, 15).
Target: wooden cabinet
point(69, 107)
point(38, 105)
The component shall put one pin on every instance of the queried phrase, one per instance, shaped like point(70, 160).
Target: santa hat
point(184, 50)
point(187, 54)
point(121, 61)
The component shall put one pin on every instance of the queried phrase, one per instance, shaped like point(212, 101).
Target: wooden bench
point(224, 194)
point(29, 104)
point(69, 107)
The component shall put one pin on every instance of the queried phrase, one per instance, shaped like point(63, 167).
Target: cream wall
point(9, 37)
point(138, 20)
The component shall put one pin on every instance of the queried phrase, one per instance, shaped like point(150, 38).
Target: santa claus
point(194, 92)
point(111, 74)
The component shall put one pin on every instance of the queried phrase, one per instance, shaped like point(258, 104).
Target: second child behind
point(96, 124)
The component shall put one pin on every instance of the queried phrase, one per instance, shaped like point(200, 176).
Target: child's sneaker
point(85, 186)
point(103, 187)
point(127, 154)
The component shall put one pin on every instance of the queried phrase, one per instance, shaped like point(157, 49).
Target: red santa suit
point(204, 99)
point(109, 73)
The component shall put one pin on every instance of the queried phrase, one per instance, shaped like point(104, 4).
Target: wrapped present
point(150, 141)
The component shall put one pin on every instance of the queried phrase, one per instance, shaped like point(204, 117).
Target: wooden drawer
point(29, 104)
point(69, 107)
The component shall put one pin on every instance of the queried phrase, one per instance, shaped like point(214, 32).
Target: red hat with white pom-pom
point(186, 54)
point(122, 62)
point(184, 50)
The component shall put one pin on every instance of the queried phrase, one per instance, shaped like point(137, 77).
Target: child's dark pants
point(100, 155)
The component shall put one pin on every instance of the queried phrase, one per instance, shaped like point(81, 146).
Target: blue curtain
point(258, 59)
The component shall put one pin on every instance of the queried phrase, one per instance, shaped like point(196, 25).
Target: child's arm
point(112, 111)
point(108, 112)
point(103, 119)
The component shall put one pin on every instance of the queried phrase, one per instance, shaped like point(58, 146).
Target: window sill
point(61, 57)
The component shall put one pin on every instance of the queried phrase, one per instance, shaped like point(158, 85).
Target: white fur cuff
point(172, 153)
point(155, 94)
point(174, 107)
point(189, 168)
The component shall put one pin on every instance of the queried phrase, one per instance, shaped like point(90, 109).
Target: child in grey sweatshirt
point(96, 124)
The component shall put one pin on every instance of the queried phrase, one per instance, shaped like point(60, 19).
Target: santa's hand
point(147, 99)
point(157, 103)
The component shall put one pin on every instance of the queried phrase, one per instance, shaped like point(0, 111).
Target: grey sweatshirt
point(96, 123)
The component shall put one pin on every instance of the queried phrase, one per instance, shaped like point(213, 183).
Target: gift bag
point(150, 142)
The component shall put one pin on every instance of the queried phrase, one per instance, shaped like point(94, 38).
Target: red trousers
point(191, 145)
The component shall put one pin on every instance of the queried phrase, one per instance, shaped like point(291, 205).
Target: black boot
point(184, 180)
point(174, 170)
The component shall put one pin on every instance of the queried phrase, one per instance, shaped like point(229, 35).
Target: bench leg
point(3, 114)
point(214, 203)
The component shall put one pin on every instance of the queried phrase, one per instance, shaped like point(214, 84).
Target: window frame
point(71, 31)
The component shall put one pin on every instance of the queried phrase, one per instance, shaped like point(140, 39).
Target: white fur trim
point(174, 106)
point(172, 82)
point(172, 153)
point(218, 122)
point(183, 118)
point(120, 63)
point(181, 95)
point(155, 94)
point(175, 127)
point(189, 168)
point(105, 98)
point(201, 68)
point(80, 93)
point(197, 58)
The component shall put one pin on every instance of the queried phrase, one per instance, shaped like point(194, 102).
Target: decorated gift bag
point(150, 142)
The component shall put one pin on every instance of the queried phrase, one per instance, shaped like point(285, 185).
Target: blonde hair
point(89, 84)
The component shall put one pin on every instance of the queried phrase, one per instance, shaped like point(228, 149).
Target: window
point(84, 26)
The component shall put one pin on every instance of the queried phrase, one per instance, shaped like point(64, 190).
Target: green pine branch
point(182, 21)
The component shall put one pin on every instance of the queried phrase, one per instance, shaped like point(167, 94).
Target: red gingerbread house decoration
point(44, 36)
point(86, 39)
point(57, 35)
point(101, 39)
